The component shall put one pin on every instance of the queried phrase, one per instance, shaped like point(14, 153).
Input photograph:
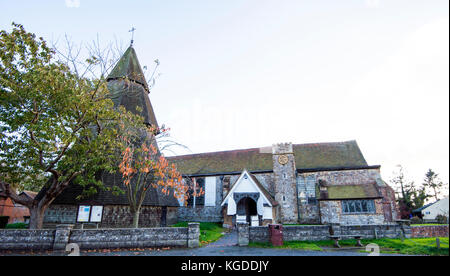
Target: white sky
point(240, 74)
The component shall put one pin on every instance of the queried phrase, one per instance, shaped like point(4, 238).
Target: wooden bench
point(337, 238)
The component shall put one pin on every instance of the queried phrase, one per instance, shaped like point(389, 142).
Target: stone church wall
point(200, 214)
point(331, 212)
point(114, 216)
point(309, 213)
point(346, 177)
point(307, 199)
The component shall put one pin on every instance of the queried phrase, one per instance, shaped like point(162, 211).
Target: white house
point(440, 207)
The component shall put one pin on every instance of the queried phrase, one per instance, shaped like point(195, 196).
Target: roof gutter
point(225, 173)
point(352, 198)
point(350, 168)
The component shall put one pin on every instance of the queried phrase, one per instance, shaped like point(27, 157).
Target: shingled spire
point(128, 87)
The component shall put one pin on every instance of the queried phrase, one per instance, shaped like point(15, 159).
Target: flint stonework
point(41, 240)
point(243, 234)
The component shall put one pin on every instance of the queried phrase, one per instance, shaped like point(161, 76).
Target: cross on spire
point(132, 34)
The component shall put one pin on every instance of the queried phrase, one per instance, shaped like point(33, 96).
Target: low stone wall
point(305, 233)
point(376, 231)
point(23, 239)
point(323, 232)
point(291, 233)
point(429, 231)
point(102, 238)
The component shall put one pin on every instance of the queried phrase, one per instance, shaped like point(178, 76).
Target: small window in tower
point(312, 200)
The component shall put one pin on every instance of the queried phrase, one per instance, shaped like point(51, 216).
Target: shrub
point(416, 220)
point(441, 219)
point(18, 225)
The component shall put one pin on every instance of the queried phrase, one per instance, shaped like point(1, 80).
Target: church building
point(288, 184)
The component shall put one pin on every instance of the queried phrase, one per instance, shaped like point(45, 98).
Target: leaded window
point(358, 206)
point(200, 199)
point(196, 199)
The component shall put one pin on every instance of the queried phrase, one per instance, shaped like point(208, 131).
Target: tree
point(57, 127)
point(410, 196)
point(433, 182)
point(419, 197)
point(143, 167)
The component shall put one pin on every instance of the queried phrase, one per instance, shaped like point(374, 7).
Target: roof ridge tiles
point(256, 149)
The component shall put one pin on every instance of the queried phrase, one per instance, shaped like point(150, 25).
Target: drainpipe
point(195, 191)
point(298, 200)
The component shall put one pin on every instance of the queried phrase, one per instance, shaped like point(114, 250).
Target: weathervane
point(132, 34)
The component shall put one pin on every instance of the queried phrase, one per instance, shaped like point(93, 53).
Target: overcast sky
point(250, 73)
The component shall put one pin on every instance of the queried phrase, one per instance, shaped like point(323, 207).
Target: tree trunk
point(435, 194)
point(36, 217)
point(136, 219)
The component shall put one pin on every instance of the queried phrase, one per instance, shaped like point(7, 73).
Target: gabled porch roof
point(266, 195)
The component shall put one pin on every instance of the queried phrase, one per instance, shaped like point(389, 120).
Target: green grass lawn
point(416, 246)
point(302, 224)
point(428, 224)
point(209, 232)
point(301, 245)
point(18, 225)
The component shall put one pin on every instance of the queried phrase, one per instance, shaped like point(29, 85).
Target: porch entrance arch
point(247, 207)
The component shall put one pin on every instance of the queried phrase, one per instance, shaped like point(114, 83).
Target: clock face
point(283, 159)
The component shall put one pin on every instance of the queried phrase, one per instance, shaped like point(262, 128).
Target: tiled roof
point(30, 194)
point(128, 66)
point(328, 155)
point(423, 207)
point(154, 197)
point(264, 191)
point(307, 156)
point(335, 192)
point(128, 87)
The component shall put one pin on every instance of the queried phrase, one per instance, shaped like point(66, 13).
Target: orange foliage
point(145, 163)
